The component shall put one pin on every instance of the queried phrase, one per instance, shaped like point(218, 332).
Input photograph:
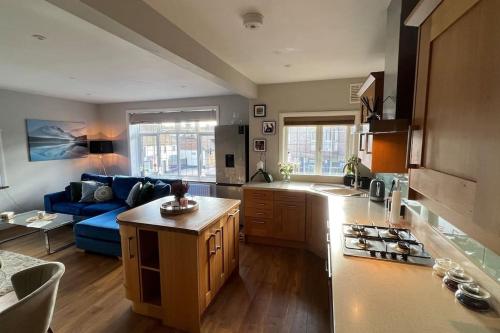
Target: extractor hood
point(399, 73)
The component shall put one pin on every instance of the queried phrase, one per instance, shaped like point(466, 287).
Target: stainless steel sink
point(340, 190)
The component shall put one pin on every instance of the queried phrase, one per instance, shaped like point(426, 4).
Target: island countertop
point(210, 210)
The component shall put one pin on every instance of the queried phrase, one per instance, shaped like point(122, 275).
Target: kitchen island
point(174, 267)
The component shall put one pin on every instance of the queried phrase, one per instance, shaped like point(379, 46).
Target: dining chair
point(36, 291)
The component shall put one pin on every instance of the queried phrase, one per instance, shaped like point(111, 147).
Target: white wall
point(326, 95)
point(233, 109)
point(29, 181)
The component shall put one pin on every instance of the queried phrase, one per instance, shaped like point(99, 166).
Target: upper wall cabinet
point(455, 137)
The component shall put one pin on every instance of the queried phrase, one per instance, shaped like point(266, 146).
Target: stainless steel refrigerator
point(231, 161)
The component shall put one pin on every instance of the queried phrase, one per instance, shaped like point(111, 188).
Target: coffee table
point(40, 225)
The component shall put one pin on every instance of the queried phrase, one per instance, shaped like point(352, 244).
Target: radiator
point(202, 190)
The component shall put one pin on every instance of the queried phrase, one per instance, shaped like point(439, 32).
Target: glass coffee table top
point(25, 220)
point(29, 224)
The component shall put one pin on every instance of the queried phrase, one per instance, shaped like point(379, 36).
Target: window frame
point(283, 151)
point(138, 140)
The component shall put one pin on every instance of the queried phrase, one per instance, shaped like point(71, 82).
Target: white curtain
point(3, 171)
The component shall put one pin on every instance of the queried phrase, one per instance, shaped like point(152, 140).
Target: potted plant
point(179, 190)
point(286, 170)
point(350, 169)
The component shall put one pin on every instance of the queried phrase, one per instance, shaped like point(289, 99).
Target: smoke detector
point(253, 20)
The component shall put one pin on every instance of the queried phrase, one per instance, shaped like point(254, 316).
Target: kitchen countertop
point(210, 210)
point(372, 296)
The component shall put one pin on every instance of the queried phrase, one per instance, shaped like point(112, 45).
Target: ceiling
point(299, 41)
point(80, 61)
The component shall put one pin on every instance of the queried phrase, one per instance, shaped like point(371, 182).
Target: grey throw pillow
point(134, 195)
point(103, 193)
point(88, 189)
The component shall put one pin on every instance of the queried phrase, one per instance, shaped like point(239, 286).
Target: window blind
point(172, 117)
point(327, 120)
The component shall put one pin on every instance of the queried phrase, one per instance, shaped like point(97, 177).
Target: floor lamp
point(101, 147)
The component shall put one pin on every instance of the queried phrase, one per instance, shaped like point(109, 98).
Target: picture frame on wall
point(268, 127)
point(259, 145)
point(259, 110)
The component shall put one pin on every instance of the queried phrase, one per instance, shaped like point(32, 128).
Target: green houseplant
point(350, 169)
point(286, 169)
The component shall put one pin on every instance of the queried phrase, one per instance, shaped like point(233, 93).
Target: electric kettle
point(377, 190)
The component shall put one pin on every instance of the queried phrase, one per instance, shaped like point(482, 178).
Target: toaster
point(377, 190)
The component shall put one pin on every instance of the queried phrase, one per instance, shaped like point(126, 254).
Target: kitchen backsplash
point(484, 258)
point(387, 178)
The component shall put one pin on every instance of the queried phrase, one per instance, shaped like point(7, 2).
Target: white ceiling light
point(253, 20)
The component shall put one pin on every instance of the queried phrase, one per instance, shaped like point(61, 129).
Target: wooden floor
point(277, 290)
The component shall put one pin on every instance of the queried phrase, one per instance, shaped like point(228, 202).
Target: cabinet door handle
point(130, 255)
point(367, 136)
point(234, 213)
point(259, 222)
point(361, 136)
point(210, 251)
point(259, 214)
point(329, 261)
point(328, 237)
point(218, 247)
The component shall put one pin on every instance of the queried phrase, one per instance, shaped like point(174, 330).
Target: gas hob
point(384, 243)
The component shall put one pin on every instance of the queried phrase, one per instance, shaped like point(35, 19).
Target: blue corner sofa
point(98, 232)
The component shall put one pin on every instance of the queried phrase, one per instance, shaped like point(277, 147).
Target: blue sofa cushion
point(161, 190)
point(101, 227)
point(122, 186)
point(68, 207)
point(107, 180)
point(166, 181)
point(102, 207)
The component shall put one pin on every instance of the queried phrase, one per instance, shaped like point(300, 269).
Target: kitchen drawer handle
point(259, 222)
point(130, 255)
point(212, 252)
point(329, 260)
point(218, 247)
point(257, 213)
point(233, 214)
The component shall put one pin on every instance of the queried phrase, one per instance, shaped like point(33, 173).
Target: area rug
point(11, 263)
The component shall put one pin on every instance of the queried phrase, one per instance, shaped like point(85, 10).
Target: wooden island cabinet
point(174, 267)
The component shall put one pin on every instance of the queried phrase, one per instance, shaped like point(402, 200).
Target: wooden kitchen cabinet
point(174, 268)
point(317, 224)
point(454, 142)
point(383, 152)
point(289, 221)
point(128, 236)
point(275, 214)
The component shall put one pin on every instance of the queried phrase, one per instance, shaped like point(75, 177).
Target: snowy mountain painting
point(56, 140)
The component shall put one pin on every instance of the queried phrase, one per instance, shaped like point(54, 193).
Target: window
point(174, 149)
point(318, 143)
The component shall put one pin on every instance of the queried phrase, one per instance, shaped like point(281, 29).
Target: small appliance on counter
point(377, 190)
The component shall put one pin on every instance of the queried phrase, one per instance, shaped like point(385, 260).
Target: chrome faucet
point(355, 177)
